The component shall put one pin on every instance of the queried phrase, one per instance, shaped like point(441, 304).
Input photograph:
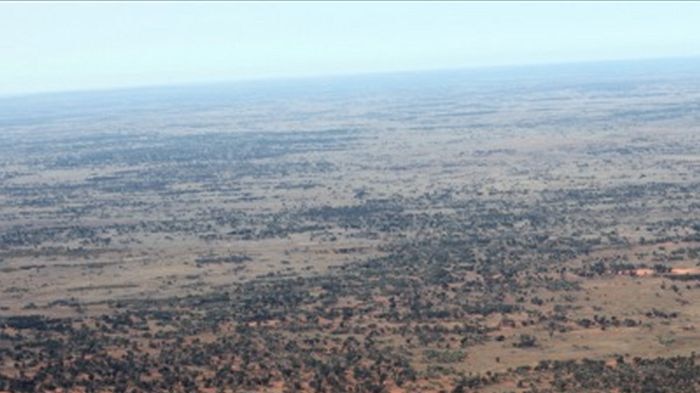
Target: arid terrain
point(507, 230)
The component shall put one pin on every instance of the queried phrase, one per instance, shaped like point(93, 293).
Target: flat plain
point(508, 230)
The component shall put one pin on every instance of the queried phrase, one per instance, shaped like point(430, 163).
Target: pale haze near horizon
point(80, 46)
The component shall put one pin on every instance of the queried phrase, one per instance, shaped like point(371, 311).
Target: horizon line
point(338, 75)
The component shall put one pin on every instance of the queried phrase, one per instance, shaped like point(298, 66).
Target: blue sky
point(47, 46)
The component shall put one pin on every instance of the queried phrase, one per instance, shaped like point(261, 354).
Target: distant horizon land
point(348, 75)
